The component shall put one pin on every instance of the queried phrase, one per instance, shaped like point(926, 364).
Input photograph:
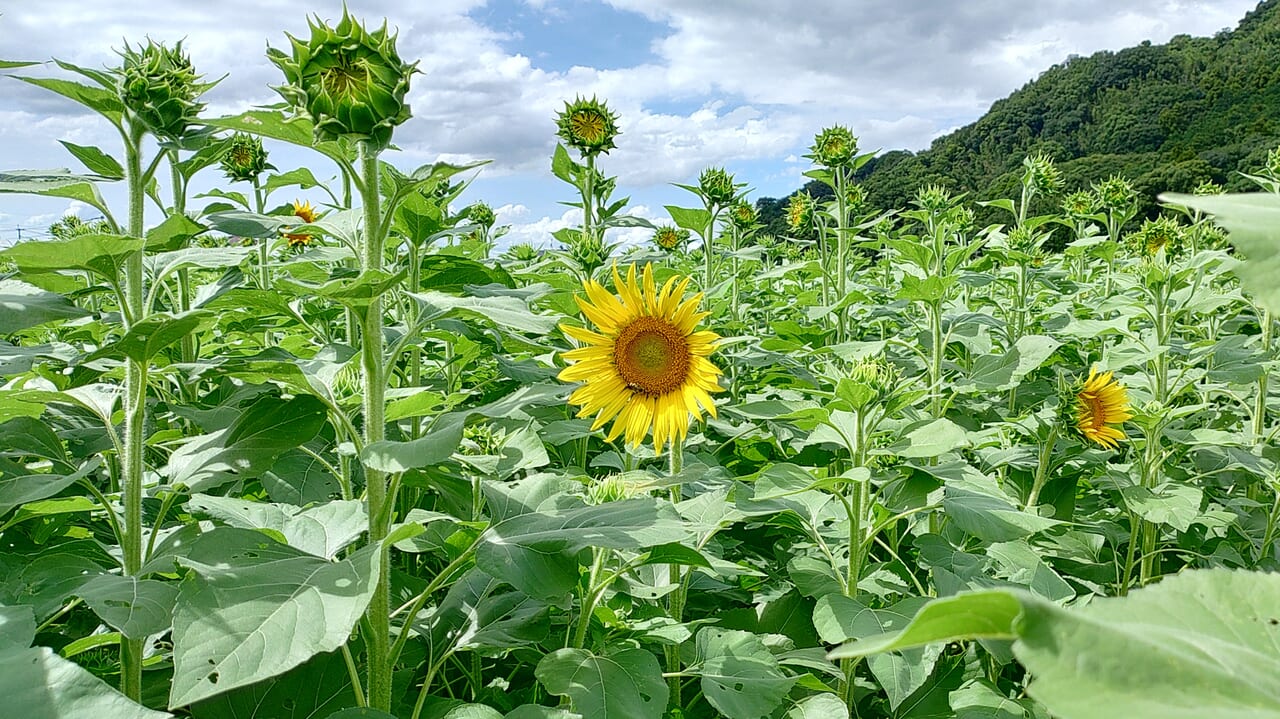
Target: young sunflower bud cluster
point(835, 146)
point(244, 159)
point(1208, 187)
point(158, 86)
point(1022, 240)
point(933, 199)
point(350, 82)
point(588, 251)
point(870, 381)
point(523, 252)
point(613, 488)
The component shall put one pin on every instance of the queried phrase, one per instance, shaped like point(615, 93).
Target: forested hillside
point(1165, 116)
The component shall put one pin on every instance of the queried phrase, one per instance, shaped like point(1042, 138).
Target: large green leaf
point(23, 305)
point(1253, 221)
point(740, 677)
point(839, 618)
point(997, 372)
point(1203, 643)
point(441, 439)
point(146, 338)
point(17, 490)
point(98, 99)
point(54, 183)
point(254, 608)
point(36, 682)
point(46, 581)
point(323, 530)
point(624, 684)
point(97, 161)
point(102, 255)
point(535, 552)
point(137, 608)
point(1200, 644)
point(263, 431)
point(314, 690)
point(508, 312)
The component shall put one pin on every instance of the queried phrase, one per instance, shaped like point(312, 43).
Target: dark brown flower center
point(652, 356)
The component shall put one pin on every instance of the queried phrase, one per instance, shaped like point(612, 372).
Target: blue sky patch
point(563, 34)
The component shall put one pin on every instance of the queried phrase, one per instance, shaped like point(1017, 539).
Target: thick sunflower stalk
point(351, 84)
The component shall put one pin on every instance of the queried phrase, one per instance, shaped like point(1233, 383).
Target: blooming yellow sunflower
point(1102, 404)
point(644, 366)
point(305, 212)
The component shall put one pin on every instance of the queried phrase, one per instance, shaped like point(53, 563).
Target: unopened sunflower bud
point(669, 237)
point(350, 82)
point(933, 198)
point(245, 159)
point(588, 126)
point(1041, 174)
point(743, 214)
point(716, 186)
point(481, 214)
point(800, 211)
point(835, 146)
point(1208, 187)
point(1116, 194)
point(1161, 234)
point(159, 87)
point(1080, 204)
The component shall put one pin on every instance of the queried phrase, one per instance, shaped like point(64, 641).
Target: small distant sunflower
point(1102, 404)
point(645, 367)
point(305, 212)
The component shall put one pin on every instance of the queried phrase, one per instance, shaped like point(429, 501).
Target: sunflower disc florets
point(743, 215)
point(159, 87)
point(588, 126)
point(350, 82)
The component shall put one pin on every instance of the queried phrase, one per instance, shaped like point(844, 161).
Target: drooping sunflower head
point(1080, 204)
point(349, 81)
point(1101, 405)
point(743, 214)
point(1161, 234)
point(716, 186)
point(645, 364)
point(1041, 175)
point(158, 86)
point(304, 211)
point(588, 126)
point(244, 159)
point(799, 211)
point(835, 146)
point(669, 237)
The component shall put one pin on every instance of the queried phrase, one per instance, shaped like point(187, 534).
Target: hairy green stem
point(675, 602)
point(1042, 468)
point(378, 614)
point(135, 408)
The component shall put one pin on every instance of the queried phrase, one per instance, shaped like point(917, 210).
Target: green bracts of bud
point(348, 81)
point(743, 215)
point(481, 214)
point(835, 146)
point(244, 159)
point(588, 126)
point(158, 87)
point(716, 186)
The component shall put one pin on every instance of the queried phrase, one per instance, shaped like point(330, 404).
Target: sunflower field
point(272, 458)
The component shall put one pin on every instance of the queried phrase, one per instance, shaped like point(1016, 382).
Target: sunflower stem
point(1042, 468)
point(374, 376)
point(135, 410)
point(675, 606)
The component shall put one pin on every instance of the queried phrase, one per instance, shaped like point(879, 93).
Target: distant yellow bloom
point(645, 367)
point(1102, 404)
point(305, 212)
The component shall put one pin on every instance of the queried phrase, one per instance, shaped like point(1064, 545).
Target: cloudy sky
point(743, 84)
